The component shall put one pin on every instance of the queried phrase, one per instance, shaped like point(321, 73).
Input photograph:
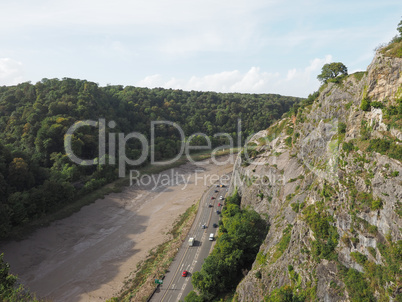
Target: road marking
point(175, 274)
point(203, 238)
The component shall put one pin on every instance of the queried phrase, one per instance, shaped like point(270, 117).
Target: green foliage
point(356, 285)
point(288, 141)
point(341, 128)
point(386, 147)
point(331, 71)
point(399, 28)
point(365, 105)
point(383, 279)
point(292, 293)
point(283, 243)
point(297, 206)
point(326, 234)
point(327, 191)
point(261, 258)
point(359, 257)
point(359, 75)
point(361, 200)
point(394, 47)
point(35, 118)
point(8, 290)
point(372, 251)
point(376, 204)
point(348, 105)
point(312, 97)
point(193, 297)
point(242, 233)
point(284, 294)
point(376, 104)
point(348, 147)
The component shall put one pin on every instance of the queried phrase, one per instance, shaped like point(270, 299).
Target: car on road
point(219, 204)
point(211, 237)
point(210, 206)
point(221, 198)
point(184, 274)
point(191, 241)
point(215, 225)
point(218, 212)
point(216, 191)
point(204, 226)
point(212, 197)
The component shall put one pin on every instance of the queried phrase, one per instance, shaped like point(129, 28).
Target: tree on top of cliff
point(331, 71)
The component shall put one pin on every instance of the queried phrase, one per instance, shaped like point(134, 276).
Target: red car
point(184, 274)
point(212, 197)
point(219, 204)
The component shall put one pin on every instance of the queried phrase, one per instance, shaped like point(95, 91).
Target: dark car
point(212, 197)
point(218, 212)
point(215, 225)
point(184, 274)
point(216, 191)
point(210, 206)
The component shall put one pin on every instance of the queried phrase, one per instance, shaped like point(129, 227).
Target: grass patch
point(283, 243)
point(393, 50)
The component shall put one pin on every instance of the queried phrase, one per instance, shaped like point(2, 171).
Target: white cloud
point(252, 81)
point(151, 81)
point(11, 71)
point(297, 82)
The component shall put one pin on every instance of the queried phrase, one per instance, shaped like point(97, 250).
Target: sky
point(254, 46)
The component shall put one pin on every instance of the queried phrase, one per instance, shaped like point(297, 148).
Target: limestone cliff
point(329, 182)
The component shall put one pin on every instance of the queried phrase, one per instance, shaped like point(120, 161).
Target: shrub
point(359, 258)
point(288, 141)
point(379, 145)
point(365, 104)
point(377, 104)
point(372, 229)
point(372, 251)
point(296, 207)
point(326, 235)
point(283, 243)
point(357, 287)
point(376, 204)
point(341, 128)
point(347, 147)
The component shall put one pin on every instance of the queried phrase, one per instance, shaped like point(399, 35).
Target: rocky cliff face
point(329, 182)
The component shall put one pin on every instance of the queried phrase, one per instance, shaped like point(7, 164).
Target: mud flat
point(87, 256)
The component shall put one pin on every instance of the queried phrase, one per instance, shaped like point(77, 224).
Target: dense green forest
point(36, 176)
point(241, 232)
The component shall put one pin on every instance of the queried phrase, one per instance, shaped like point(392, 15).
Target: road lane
point(175, 287)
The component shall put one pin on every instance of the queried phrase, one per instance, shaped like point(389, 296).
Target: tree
point(399, 28)
point(331, 71)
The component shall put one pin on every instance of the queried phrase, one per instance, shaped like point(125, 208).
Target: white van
point(191, 241)
point(211, 236)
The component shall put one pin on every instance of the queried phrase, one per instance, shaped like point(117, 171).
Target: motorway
point(190, 258)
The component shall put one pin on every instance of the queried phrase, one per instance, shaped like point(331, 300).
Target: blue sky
point(252, 46)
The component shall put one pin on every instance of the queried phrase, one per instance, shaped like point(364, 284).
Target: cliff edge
point(329, 182)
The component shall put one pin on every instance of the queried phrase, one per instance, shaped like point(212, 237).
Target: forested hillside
point(36, 176)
